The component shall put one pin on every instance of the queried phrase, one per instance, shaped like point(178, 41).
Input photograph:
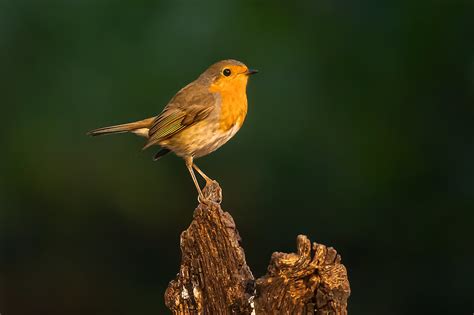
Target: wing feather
point(190, 105)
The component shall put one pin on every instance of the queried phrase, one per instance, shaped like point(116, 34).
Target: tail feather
point(130, 127)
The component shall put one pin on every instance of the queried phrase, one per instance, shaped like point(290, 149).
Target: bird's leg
point(207, 178)
point(189, 165)
point(213, 192)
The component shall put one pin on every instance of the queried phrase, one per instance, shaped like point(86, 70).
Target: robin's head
point(228, 74)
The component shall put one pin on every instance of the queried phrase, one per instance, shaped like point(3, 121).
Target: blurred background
point(359, 135)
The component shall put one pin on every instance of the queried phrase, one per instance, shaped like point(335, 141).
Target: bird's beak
point(251, 71)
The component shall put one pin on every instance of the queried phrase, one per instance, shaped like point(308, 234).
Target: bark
point(214, 277)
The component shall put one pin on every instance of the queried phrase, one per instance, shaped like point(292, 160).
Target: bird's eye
point(226, 72)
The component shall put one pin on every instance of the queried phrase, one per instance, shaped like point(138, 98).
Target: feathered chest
point(233, 109)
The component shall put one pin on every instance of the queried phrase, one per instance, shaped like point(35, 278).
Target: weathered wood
point(297, 283)
point(215, 279)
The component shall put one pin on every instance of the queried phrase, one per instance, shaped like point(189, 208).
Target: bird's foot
point(212, 192)
point(203, 200)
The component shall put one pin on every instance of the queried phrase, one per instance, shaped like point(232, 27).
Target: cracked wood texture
point(214, 277)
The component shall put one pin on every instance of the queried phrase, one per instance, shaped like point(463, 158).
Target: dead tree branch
point(214, 277)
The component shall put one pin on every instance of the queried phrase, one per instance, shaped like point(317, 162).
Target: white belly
point(200, 140)
point(213, 141)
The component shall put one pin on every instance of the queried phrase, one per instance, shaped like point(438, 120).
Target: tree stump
point(214, 277)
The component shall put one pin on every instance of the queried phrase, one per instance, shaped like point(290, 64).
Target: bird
point(199, 118)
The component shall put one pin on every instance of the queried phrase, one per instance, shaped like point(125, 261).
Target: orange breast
point(233, 106)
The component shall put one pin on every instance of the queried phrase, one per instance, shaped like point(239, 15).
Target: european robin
point(199, 119)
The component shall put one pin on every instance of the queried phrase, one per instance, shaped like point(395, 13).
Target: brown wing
point(190, 105)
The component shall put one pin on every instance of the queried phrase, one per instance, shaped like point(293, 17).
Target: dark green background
point(360, 134)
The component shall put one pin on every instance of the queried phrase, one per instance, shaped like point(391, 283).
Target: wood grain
point(214, 277)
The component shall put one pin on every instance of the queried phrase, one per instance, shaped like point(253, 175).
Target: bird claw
point(211, 194)
point(203, 200)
